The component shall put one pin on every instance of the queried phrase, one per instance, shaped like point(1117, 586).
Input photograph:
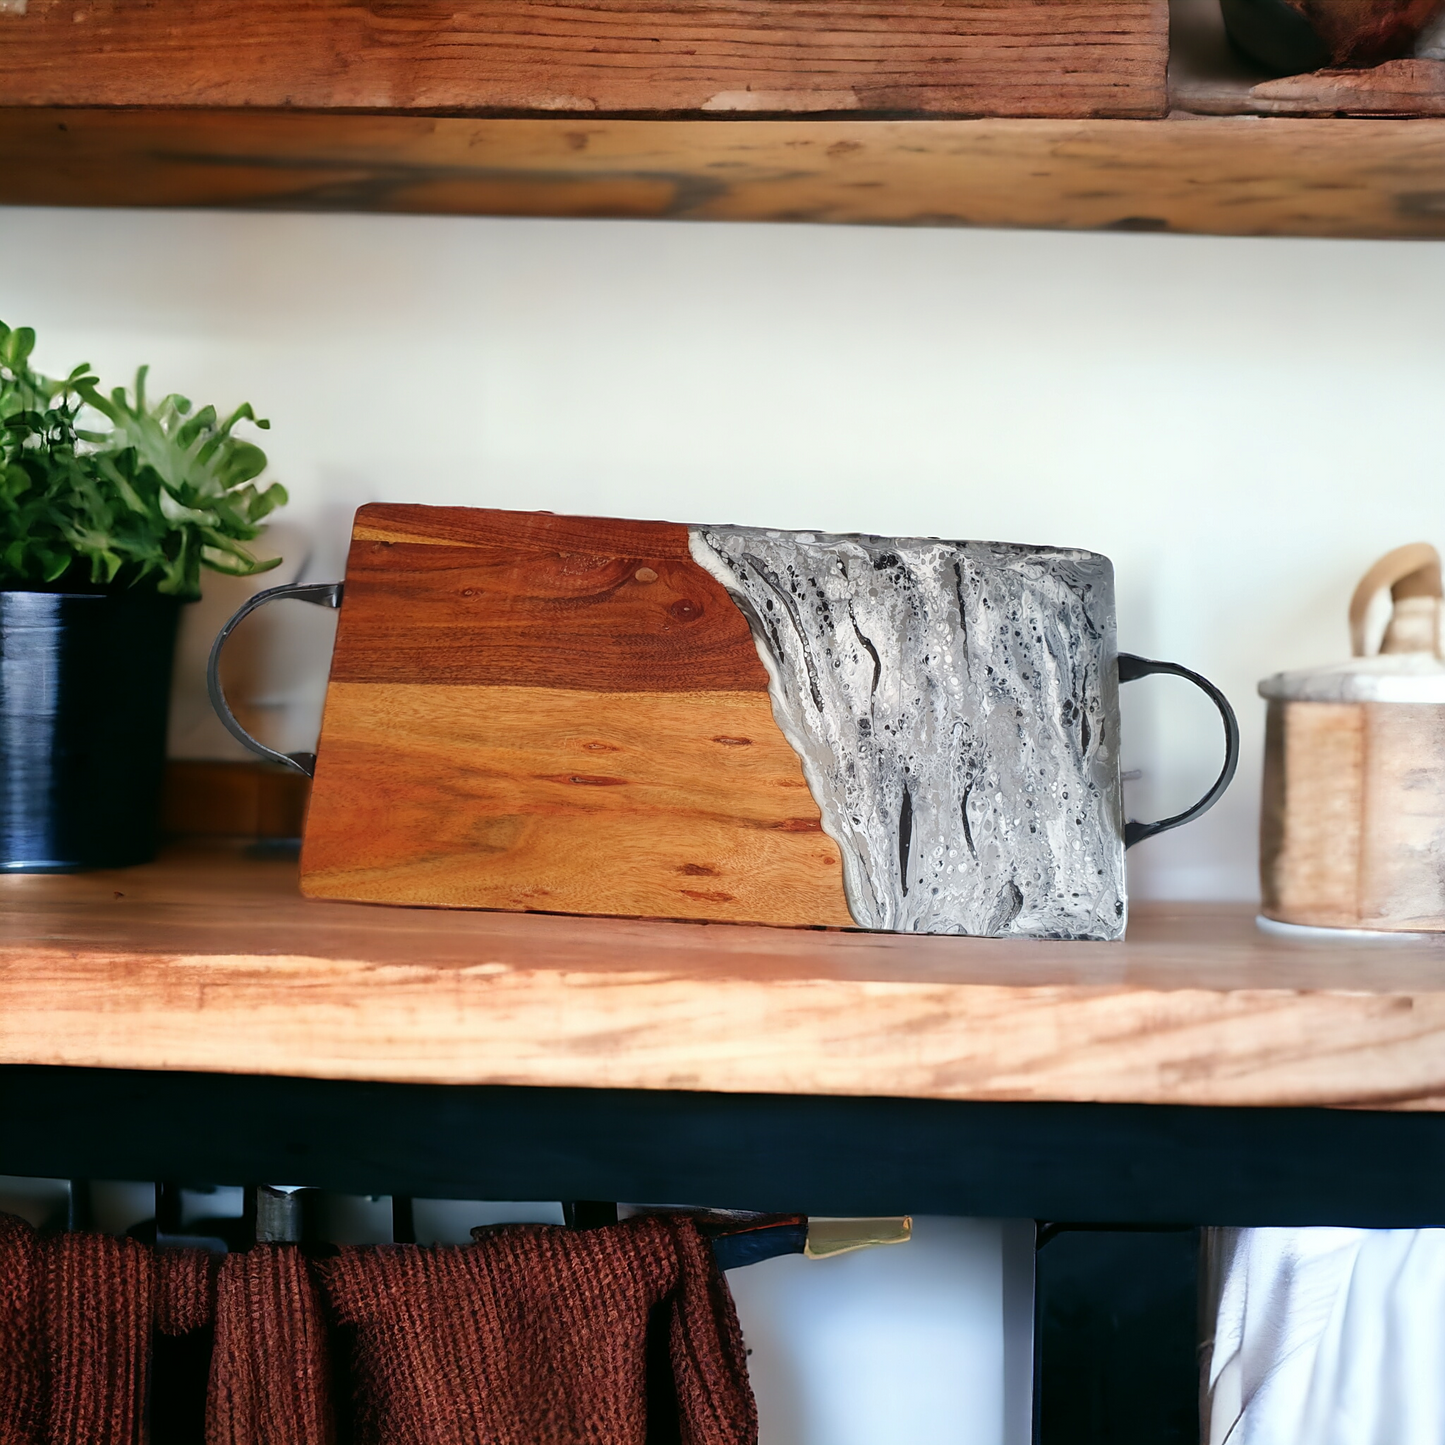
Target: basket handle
point(1409, 571)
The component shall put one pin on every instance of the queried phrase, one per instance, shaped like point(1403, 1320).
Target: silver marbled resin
point(955, 708)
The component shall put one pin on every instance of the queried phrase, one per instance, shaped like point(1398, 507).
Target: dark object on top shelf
point(1293, 36)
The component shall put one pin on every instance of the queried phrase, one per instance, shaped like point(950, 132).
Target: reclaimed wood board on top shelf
point(557, 714)
point(899, 57)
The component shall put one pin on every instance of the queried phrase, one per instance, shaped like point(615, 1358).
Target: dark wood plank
point(518, 599)
point(1003, 57)
point(1222, 176)
point(210, 799)
point(538, 532)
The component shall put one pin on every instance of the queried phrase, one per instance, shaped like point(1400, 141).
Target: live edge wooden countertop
point(212, 962)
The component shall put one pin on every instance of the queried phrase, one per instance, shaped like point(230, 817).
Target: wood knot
point(645, 574)
point(698, 870)
point(684, 609)
point(728, 742)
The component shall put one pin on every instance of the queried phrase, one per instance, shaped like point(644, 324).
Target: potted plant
point(110, 506)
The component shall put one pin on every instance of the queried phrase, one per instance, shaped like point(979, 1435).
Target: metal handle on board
point(323, 594)
point(1130, 668)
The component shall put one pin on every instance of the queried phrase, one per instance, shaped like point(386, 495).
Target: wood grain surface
point(1310, 817)
point(207, 961)
point(1398, 87)
point(1229, 176)
point(1352, 830)
point(529, 599)
point(555, 713)
point(974, 57)
point(668, 804)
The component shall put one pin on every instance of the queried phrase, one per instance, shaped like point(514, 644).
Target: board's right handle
point(323, 594)
point(1131, 667)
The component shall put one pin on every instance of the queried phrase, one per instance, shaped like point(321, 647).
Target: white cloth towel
point(1325, 1337)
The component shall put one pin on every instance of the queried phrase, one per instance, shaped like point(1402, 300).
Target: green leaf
point(147, 497)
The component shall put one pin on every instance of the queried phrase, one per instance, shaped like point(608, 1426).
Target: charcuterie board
point(725, 723)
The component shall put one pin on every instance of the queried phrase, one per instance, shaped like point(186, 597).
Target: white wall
point(1242, 425)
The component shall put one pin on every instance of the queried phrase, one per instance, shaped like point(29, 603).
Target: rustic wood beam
point(922, 57)
point(1216, 175)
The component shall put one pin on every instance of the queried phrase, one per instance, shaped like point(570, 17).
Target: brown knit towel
point(270, 1382)
point(540, 1336)
point(98, 1299)
point(76, 1314)
point(624, 1335)
point(20, 1284)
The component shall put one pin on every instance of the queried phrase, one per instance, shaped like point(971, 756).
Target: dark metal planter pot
point(84, 693)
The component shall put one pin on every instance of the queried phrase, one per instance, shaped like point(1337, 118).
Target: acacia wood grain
point(205, 961)
point(519, 599)
point(1006, 57)
point(1230, 176)
point(673, 805)
point(528, 711)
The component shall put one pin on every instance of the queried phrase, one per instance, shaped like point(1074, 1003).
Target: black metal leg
point(80, 1213)
point(403, 1220)
point(1115, 1336)
point(588, 1213)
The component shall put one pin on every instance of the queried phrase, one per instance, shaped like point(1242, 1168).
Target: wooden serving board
point(558, 714)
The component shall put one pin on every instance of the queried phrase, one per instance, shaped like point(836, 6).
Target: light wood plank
point(1001, 57)
point(1232, 176)
point(1353, 826)
point(207, 962)
point(669, 804)
point(1311, 818)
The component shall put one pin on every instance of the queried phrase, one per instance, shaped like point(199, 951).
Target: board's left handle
point(323, 594)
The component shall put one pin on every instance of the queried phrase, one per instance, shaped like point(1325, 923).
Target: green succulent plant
point(143, 496)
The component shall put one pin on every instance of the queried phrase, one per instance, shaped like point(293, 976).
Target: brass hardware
point(841, 1236)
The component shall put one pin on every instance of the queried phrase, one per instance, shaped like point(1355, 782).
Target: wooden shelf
point(1062, 114)
point(207, 961)
point(1222, 175)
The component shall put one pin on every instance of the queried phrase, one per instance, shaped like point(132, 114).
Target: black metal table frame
point(1086, 1163)
point(1115, 1301)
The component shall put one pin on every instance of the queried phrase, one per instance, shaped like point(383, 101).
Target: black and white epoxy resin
point(955, 708)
